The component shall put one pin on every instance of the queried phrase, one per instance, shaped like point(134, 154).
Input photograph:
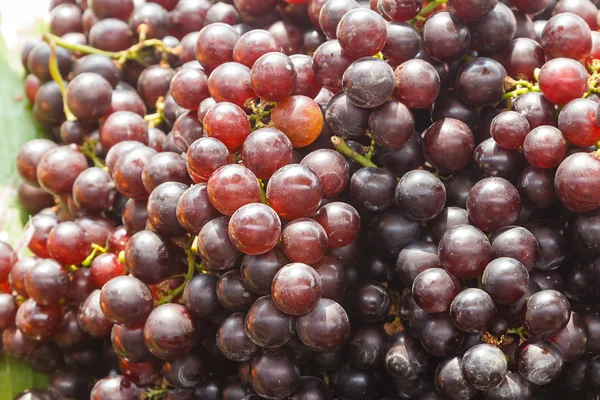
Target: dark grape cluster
point(310, 200)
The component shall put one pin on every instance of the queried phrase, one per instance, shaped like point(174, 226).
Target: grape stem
point(191, 256)
point(263, 194)
point(57, 77)
point(133, 53)
point(429, 8)
point(158, 117)
point(87, 149)
point(95, 250)
point(521, 332)
point(342, 147)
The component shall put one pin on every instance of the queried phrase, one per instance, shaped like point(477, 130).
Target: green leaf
point(17, 126)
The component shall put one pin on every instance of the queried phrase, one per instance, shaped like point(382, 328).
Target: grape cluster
point(310, 200)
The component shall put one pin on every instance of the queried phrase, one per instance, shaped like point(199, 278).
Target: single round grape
point(215, 44)
point(169, 331)
point(449, 105)
point(492, 160)
point(445, 37)
point(42, 224)
point(189, 87)
point(345, 119)
point(94, 190)
point(228, 123)
point(552, 238)
point(253, 44)
point(390, 231)
point(414, 259)
point(29, 156)
point(37, 322)
point(126, 301)
point(296, 289)
point(38, 61)
point(493, 203)
point(421, 195)
point(517, 243)
point(231, 187)
point(306, 77)
point(368, 82)
point(88, 96)
point(273, 76)
point(484, 366)
point(304, 241)
point(300, 118)
point(204, 156)
point(186, 17)
point(47, 282)
point(545, 147)
point(187, 371)
point(267, 326)
point(232, 294)
point(505, 280)
point(162, 208)
point(417, 83)
point(577, 122)
point(434, 289)
point(233, 341)
point(536, 108)
point(127, 172)
point(128, 343)
point(295, 181)
point(330, 62)
point(187, 128)
point(521, 57)
point(546, 313)
point(373, 188)
point(254, 228)
point(110, 34)
point(448, 145)
point(439, 335)
point(15, 344)
point(165, 167)
point(273, 374)
point(265, 151)
point(34, 199)
point(330, 15)
point(391, 124)
point(324, 329)
point(147, 257)
point(480, 82)
point(341, 223)
point(403, 42)
point(398, 10)
point(200, 296)
point(215, 247)
point(194, 208)
point(143, 373)
point(231, 82)
point(565, 74)
point(331, 167)
point(58, 168)
point(470, 11)
point(495, 31)
point(447, 219)
point(154, 17)
point(513, 386)
point(68, 243)
point(135, 215)
point(371, 302)
point(464, 251)
point(509, 129)
point(115, 387)
point(539, 361)
point(405, 358)
point(65, 18)
point(566, 35)
point(153, 84)
point(406, 158)
point(576, 182)
point(333, 277)
point(258, 271)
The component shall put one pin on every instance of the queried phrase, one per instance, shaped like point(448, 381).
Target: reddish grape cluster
point(310, 199)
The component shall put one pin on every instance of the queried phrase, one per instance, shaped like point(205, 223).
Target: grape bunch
point(310, 200)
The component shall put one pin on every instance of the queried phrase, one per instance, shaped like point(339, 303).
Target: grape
point(575, 182)
point(265, 151)
point(496, 30)
point(371, 302)
point(189, 87)
point(232, 294)
point(310, 386)
point(514, 386)
point(258, 271)
point(162, 208)
point(296, 289)
point(546, 313)
point(110, 34)
point(68, 243)
point(267, 326)
point(448, 145)
point(368, 82)
point(8, 311)
point(135, 215)
point(215, 44)
point(88, 96)
point(127, 172)
point(333, 277)
point(306, 78)
point(434, 289)
point(553, 243)
point(252, 45)
point(509, 129)
point(545, 147)
point(58, 168)
point(29, 156)
point(414, 259)
point(472, 310)
point(126, 301)
point(439, 336)
point(330, 62)
point(391, 231)
point(536, 109)
point(450, 381)
point(46, 282)
point(128, 343)
point(185, 17)
point(566, 74)
point(215, 247)
point(273, 374)
point(539, 361)
point(421, 195)
point(391, 124)
point(577, 122)
point(491, 160)
point(521, 57)
point(300, 118)
point(42, 224)
point(403, 42)
point(304, 240)
point(505, 280)
point(480, 82)
point(36, 321)
point(123, 126)
point(38, 61)
point(405, 358)
point(115, 387)
point(254, 228)
point(341, 223)
point(273, 76)
point(469, 10)
point(493, 203)
point(414, 74)
point(15, 344)
point(295, 181)
point(445, 37)
point(345, 119)
point(94, 190)
point(186, 130)
point(169, 331)
point(398, 10)
point(324, 329)
point(329, 15)
point(517, 243)
point(222, 88)
point(200, 296)
point(464, 251)
point(373, 187)
point(65, 18)
point(572, 340)
point(406, 158)
point(332, 169)
point(352, 383)
point(566, 35)
point(233, 341)
point(147, 258)
point(288, 35)
point(232, 186)
point(162, 168)
point(484, 366)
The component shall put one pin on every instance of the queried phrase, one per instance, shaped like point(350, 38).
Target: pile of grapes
point(310, 200)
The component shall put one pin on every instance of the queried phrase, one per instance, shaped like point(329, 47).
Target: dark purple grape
point(493, 203)
point(391, 124)
point(434, 289)
point(536, 186)
point(539, 361)
point(405, 358)
point(126, 301)
point(373, 188)
point(553, 243)
point(267, 326)
point(480, 82)
point(472, 310)
point(169, 331)
point(233, 341)
point(484, 366)
point(417, 83)
point(403, 42)
point(440, 336)
point(505, 280)
point(390, 231)
point(324, 329)
point(445, 37)
point(450, 381)
point(448, 145)
point(546, 313)
point(496, 30)
point(368, 82)
point(464, 251)
point(344, 118)
point(421, 195)
point(115, 387)
point(297, 289)
point(273, 374)
point(414, 259)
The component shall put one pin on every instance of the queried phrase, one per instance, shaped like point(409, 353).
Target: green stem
point(431, 7)
point(87, 149)
point(371, 150)
point(263, 194)
point(520, 331)
point(342, 147)
point(191, 256)
point(57, 77)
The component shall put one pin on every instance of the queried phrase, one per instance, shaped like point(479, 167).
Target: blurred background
point(19, 21)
